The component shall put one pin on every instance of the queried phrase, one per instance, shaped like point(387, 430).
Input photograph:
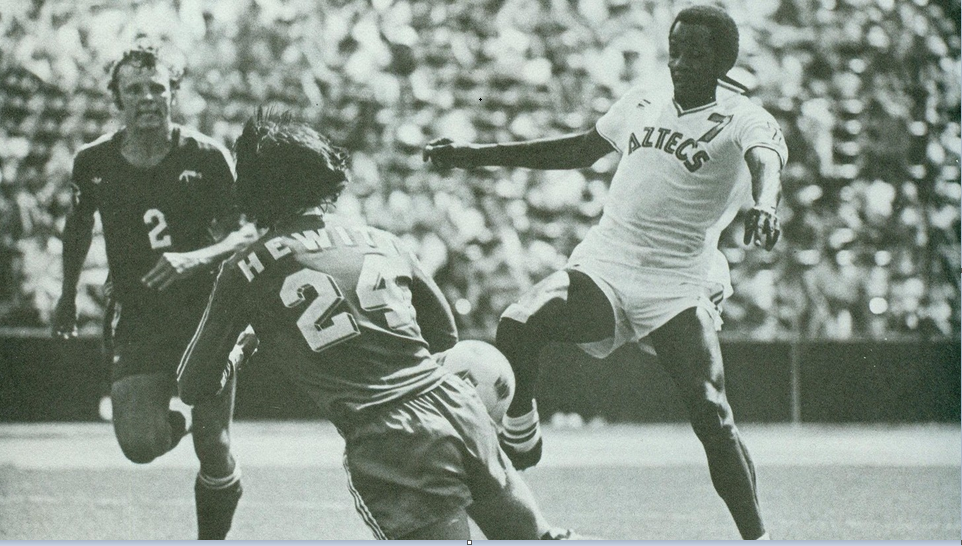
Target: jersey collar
point(681, 111)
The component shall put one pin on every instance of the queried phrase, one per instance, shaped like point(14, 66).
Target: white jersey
point(681, 180)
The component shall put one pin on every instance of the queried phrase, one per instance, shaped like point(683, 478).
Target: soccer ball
point(482, 365)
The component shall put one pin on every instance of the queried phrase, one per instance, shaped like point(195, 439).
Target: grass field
point(70, 481)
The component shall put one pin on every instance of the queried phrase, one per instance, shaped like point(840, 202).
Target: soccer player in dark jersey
point(163, 192)
point(349, 316)
point(693, 151)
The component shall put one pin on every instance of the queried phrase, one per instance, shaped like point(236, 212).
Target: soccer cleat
point(215, 508)
point(520, 438)
point(565, 534)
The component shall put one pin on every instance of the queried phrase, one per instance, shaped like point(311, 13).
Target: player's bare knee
point(510, 333)
point(211, 443)
point(143, 446)
point(711, 418)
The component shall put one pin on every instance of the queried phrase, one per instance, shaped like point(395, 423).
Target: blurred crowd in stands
point(867, 92)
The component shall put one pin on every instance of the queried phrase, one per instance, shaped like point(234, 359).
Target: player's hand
point(244, 348)
point(64, 325)
point(761, 227)
point(444, 153)
point(172, 267)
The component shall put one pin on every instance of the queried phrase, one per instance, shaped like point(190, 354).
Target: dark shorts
point(416, 463)
point(146, 341)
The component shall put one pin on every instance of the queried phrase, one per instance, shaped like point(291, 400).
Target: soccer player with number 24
point(349, 316)
point(650, 272)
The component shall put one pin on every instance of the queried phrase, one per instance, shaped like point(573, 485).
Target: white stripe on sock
point(211, 482)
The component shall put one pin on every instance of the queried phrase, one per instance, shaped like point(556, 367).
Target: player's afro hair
point(145, 53)
point(284, 166)
point(723, 30)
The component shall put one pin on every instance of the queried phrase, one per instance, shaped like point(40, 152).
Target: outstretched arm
point(578, 151)
point(761, 224)
point(173, 266)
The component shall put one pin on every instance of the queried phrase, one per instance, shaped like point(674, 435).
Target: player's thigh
point(140, 405)
point(566, 306)
point(417, 462)
point(688, 349)
point(454, 526)
point(511, 513)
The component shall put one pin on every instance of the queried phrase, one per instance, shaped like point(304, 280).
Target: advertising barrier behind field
point(812, 381)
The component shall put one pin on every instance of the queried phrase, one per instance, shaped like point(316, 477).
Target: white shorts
point(644, 300)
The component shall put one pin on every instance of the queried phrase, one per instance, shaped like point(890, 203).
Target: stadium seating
point(867, 92)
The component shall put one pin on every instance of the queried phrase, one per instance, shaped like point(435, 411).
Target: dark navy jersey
point(146, 212)
point(344, 311)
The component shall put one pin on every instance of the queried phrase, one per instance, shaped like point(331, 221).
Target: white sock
point(522, 432)
point(221, 483)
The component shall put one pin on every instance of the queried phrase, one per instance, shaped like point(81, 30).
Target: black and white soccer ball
point(482, 365)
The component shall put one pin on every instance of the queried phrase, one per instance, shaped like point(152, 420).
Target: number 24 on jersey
point(377, 290)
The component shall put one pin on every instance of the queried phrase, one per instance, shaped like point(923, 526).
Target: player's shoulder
point(744, 106)
point(191, 138)
point(648, 92)
point(102, 145)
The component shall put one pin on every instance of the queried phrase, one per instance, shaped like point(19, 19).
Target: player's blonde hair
point(145, 53)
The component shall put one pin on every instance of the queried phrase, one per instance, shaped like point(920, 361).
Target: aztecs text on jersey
point(681, 179)
point(148, 211)
point(336, 309)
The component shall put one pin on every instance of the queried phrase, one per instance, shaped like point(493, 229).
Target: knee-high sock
point(216, 500)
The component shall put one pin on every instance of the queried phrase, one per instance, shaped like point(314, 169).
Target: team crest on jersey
point(96, 180)
point(187, 176)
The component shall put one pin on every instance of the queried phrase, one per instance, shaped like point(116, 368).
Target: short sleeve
point(759, 128)
point(434, 316)
point(613, 126)
point(616, 125)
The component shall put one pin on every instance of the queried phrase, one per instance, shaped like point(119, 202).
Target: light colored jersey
point(681, 180)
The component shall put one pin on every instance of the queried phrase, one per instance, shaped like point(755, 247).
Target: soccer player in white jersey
point(650, 272)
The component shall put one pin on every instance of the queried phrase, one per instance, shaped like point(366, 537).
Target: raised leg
point(143, 423)
point(566, 306)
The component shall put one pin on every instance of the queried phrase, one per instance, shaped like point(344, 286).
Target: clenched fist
point(444, 153)
point(761, 227)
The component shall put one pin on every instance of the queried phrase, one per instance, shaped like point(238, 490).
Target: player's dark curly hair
point(723, 30)
point(284, 166)
point(145, 53)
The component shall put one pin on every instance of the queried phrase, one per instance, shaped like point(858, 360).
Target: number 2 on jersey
point(377, 290)
point(158, 239)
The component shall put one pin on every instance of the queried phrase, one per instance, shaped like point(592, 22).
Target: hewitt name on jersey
point(312, 240)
